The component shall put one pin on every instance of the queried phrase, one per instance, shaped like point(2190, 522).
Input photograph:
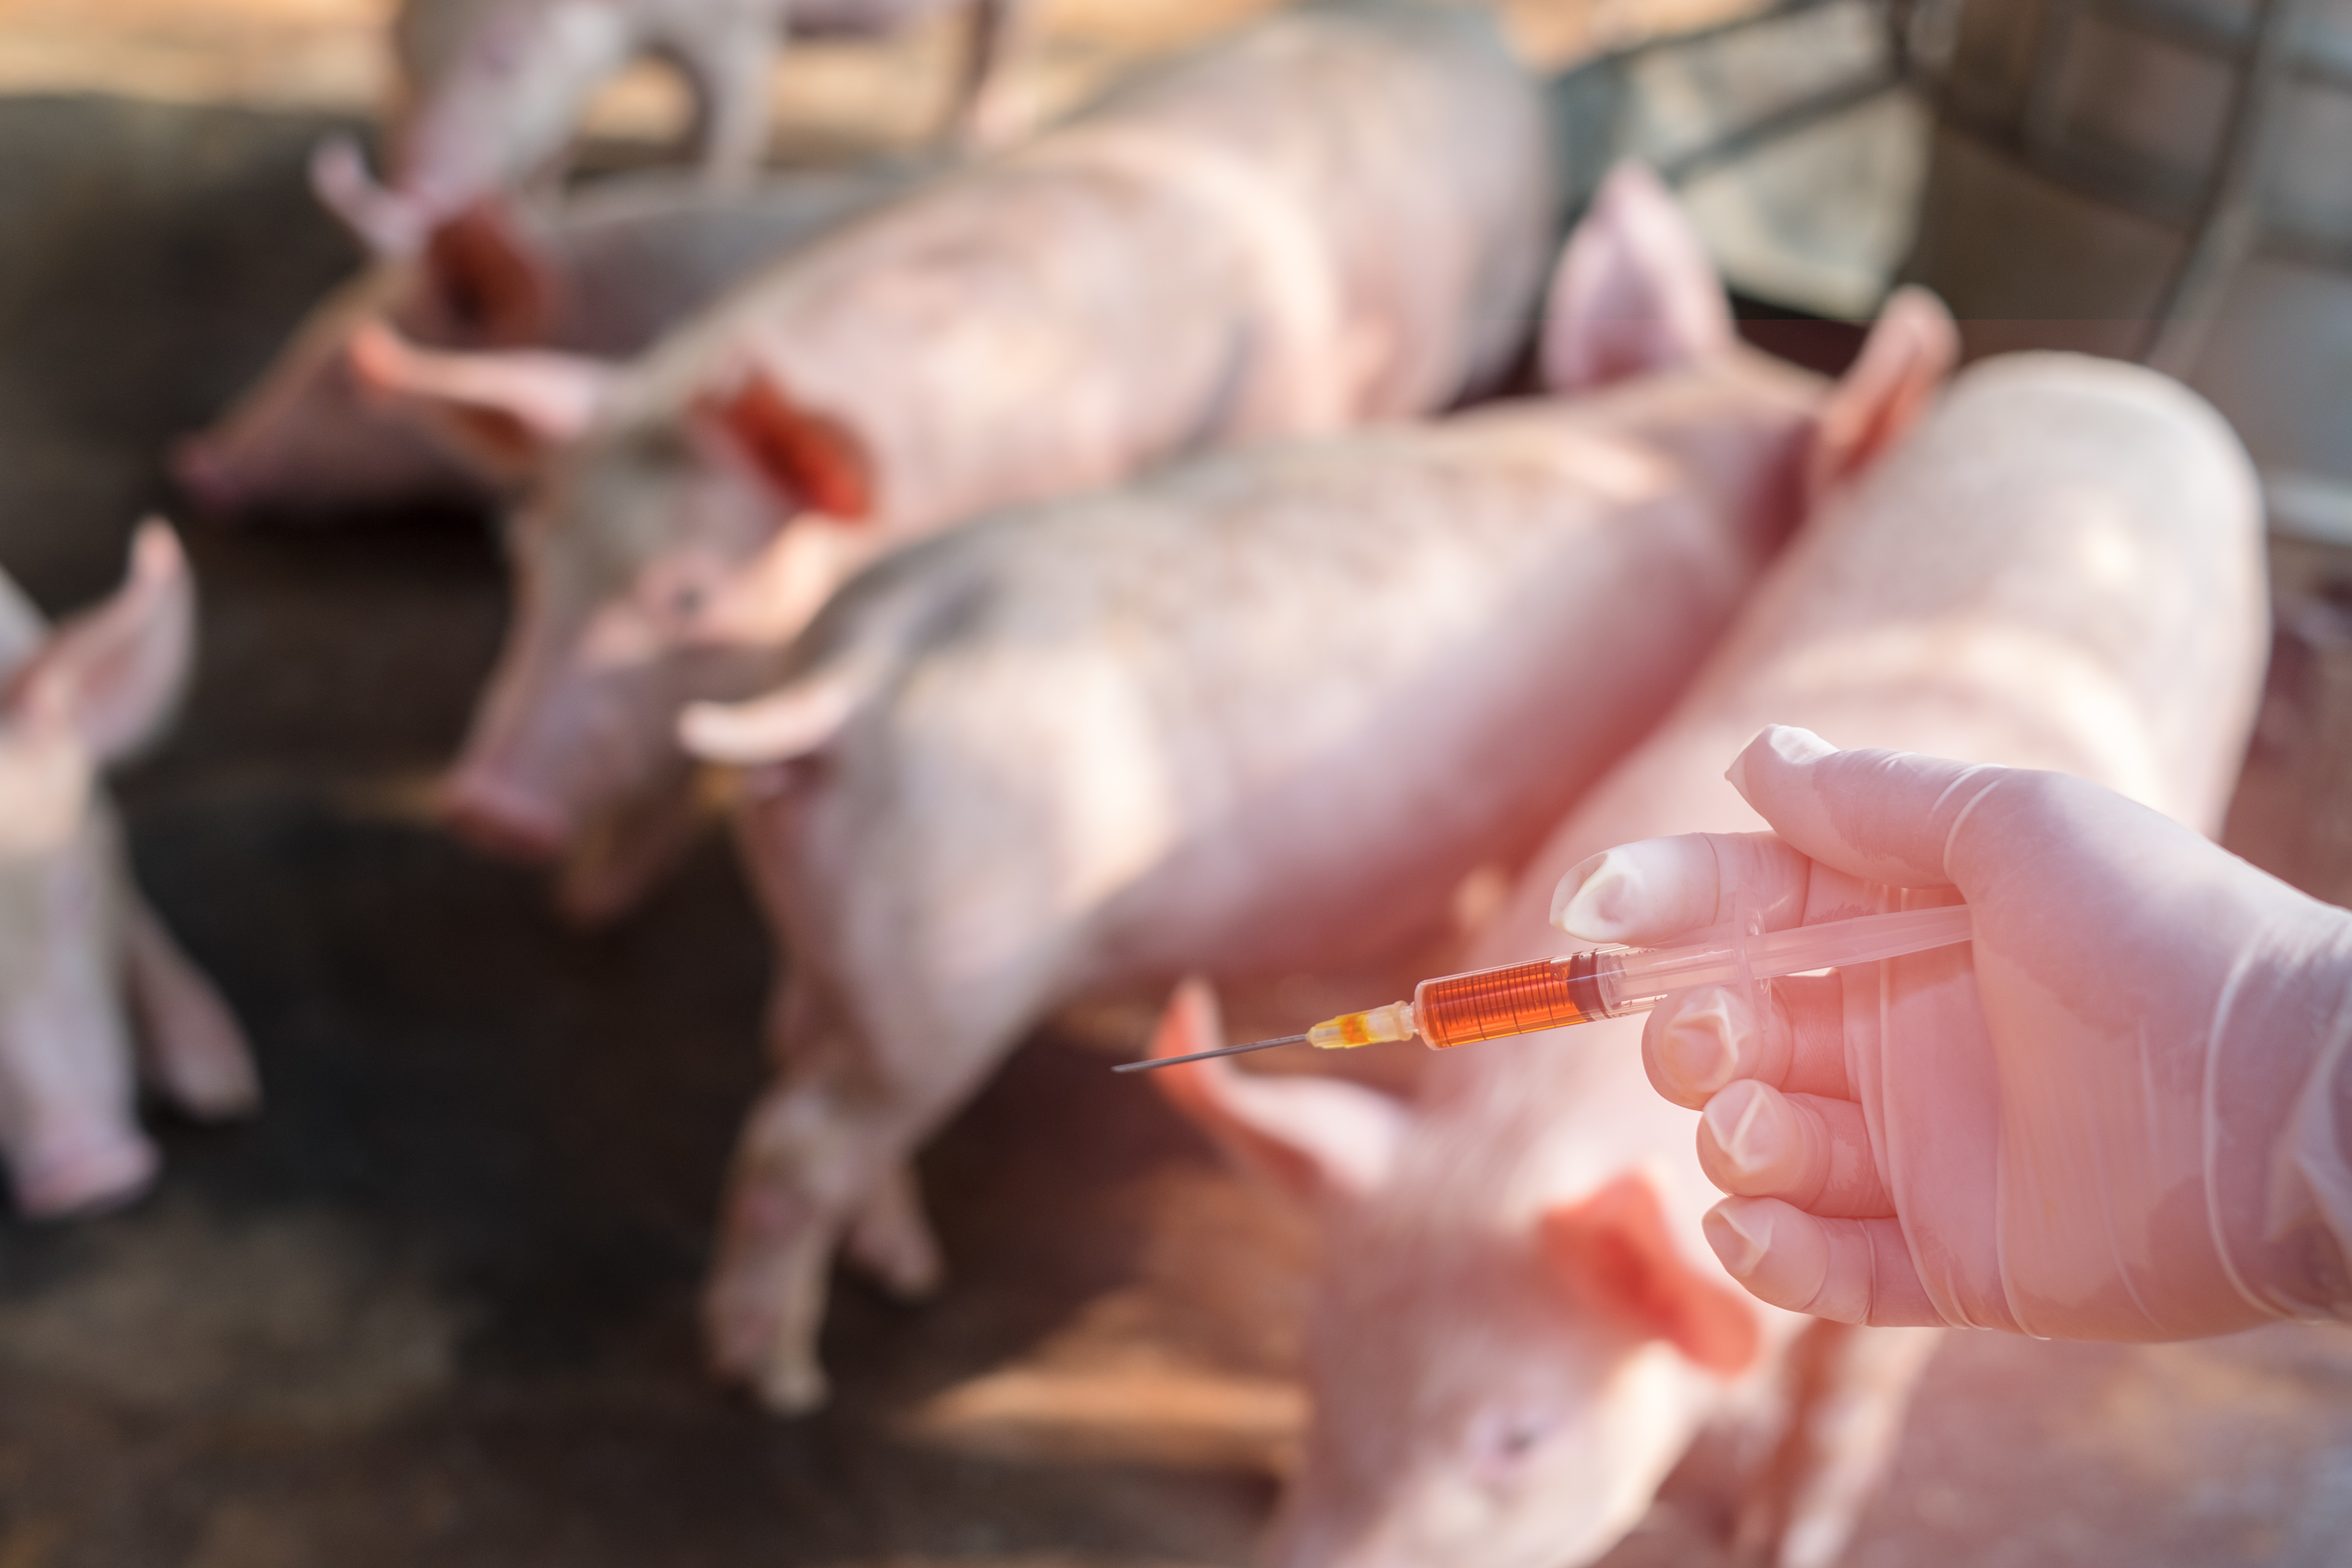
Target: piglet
point(1257, 715)
point(490, 90)
point(1337, 215)
point(75, 938)
point(1518, 1329)
point(603, 273)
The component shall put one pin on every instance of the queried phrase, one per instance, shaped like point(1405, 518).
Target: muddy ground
point(435, 1306)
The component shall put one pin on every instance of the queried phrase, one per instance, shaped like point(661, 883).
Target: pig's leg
point(190, 1045)
point(892, 1240)
point(67, 1128)
point(1850, 1387)
point(889, 1239)
point(768, 1281)
point(823, 1142)
point(626, 851)
point(728, 71)
point(985, 111)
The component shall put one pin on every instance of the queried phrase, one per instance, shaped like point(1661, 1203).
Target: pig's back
point(1277, 652)
point(2062, 570)
point(1427, 164)
point(1016, 333)
point(1314, 225)
point(636, 257)
point(1311, 541)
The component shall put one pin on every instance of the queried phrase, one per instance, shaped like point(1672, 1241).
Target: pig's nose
point(499, 819)
point(207, 477)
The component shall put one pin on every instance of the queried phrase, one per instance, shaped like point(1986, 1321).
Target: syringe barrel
point(1611, 982)
point(1517, 999)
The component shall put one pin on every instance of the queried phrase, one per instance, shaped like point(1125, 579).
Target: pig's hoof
point(502, 821)
point(588, 905)
point(906, 1279)
point(202, 1065)
point(206, 477)
point(899, 1255)
point(82, 1178)
point(791, 1384)
point(216, 1090)
point(748, 1345)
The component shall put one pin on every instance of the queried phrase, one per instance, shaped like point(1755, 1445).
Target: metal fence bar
point(2319, 54)
point(1780, 123)
point(1589, 97)
point(2143, 186)
point(2043, 123)
point(1711, 33)
point(2220, 210)
point(2229, 227)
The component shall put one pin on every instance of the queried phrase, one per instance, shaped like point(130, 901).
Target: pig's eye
point(1503, 1441)
point(1521, 1438)
point(676, 597)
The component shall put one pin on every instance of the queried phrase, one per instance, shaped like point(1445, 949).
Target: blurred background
point(438, 1305)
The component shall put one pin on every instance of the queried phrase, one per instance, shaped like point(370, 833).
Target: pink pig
point(1338, 215)
point(490, 92)
point(1519, 1329)
point(1258, 714)
point(75, 936)
point(603, 273)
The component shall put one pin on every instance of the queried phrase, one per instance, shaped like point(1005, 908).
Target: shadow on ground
point(437, 1306)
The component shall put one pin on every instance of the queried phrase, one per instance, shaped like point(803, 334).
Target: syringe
point(1609, 983)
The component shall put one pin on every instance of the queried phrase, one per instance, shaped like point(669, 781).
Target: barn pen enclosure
point(439, 1297)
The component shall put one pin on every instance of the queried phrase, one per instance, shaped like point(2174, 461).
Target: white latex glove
point(2122, 1113)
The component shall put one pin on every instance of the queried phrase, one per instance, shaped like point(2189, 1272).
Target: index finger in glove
point(1883, 817)
point(1653, 889)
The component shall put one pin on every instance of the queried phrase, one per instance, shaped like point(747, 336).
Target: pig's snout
point(207, 476)
point(82, 1173)
point(499, 819)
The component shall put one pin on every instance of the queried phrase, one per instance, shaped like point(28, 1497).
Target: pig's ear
point(1611, 1247)
point(812, 459)
point(489, 277)
point(1903, 363)
point(113, 672)
point(1313, 1136)
point(1635, 291)
point(508, 410)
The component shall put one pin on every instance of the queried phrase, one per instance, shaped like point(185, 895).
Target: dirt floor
point(435, 1306)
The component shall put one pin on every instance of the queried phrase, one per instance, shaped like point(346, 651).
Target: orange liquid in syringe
point(1492, 1003)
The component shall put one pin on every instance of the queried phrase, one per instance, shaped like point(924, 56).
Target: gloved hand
point(2123, 1112)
